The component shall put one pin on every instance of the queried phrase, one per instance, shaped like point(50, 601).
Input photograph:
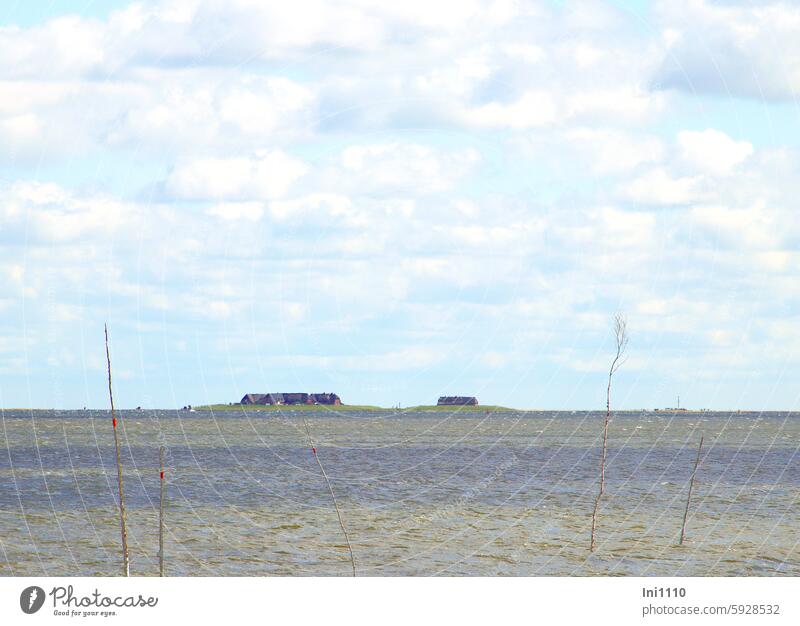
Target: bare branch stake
point(691, 485)
point(333, 496)
point(161, 516)
point(621, 337)
point(122, 522)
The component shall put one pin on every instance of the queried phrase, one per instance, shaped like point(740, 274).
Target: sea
point(461, 492)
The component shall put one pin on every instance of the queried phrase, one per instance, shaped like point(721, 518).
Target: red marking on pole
point(114, 421)
point(314, 450)
point(162, 475)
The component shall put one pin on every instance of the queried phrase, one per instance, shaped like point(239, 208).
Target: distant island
point(310, 400)
point(434, 408)
point(306, 401)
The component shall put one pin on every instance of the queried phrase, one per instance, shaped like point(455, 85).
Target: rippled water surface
point(421, 493)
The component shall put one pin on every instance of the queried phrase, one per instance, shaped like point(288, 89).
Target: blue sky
point(399, 202)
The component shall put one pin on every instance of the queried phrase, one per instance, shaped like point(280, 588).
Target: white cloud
point(659, 187)
point(64, 45)
point(264, 105)
point(316, 206)
point(186, 110)
point(626, 229)
point(731, 48)
point(18, 97)
point(293, 312)
point(410, 358)
point(557, 106)
point(527, 52)
point(215, 31)
point(47, 212)
point(21, 136)
point(408, 167)
point(497, 237)
point(612, 151)
point(620, 103)
point(712, 151)
point(217, 309)
point(531, 110)
point(196, 77)
point(19, 128)
point(751, 227)
point(267, 175)
point(237, 211)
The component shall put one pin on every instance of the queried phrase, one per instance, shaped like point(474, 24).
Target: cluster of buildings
point(457, 401)
point(333, 399)
point(291, 398)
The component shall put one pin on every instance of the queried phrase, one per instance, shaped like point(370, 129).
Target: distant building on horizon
point(457, 401)
point(290, 398)
point(253, 398)
point(326, 398)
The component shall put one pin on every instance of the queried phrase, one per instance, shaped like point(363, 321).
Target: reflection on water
point(422, 494)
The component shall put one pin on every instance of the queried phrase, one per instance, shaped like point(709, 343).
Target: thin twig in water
point(161, 516)
point(123, 525)
point(691, 485)
point(621, 337)
point(333, 495)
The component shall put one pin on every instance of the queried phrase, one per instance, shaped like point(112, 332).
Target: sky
point(397, 201)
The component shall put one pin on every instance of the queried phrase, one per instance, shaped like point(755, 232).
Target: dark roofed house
point(325, 398)
point(286, 398)
point(297, 398)
point(253, 398)
point(457, 401)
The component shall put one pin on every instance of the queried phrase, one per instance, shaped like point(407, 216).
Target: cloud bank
point(398, 202)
